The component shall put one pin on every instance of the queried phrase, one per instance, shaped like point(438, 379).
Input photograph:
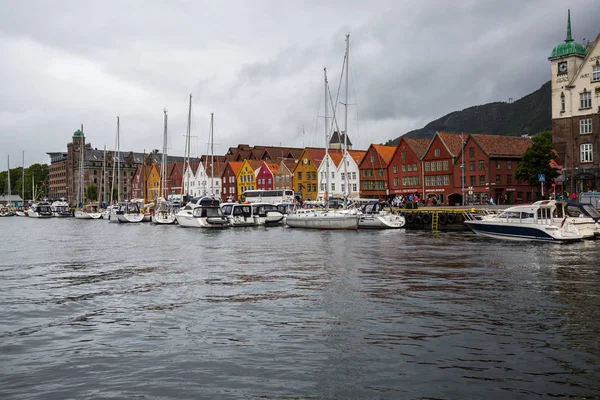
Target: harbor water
point(95, 310)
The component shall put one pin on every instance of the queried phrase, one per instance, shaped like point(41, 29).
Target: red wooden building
point(374, 170)
point(404, 171)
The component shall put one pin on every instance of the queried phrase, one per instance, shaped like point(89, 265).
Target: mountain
point(527, 116)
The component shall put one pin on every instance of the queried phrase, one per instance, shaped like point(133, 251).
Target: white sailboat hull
point(163, 218)
point(380, 221)
point(130, 218)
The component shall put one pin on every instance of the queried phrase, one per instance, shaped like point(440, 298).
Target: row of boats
point(209, 212)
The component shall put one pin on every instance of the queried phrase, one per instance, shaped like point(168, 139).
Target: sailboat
point(84, 211)
point(6, 210)
point(324, 219)
point(163, 215)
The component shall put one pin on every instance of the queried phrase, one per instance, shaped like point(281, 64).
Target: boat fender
point(418, 220)
point(426, 218)
point(451, 218)
point(443, 218)
point(410, 218)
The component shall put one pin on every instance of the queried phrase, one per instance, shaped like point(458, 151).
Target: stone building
point(575, 71)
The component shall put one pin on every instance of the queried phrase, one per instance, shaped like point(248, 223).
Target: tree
point(91, 193)
point(536, 160)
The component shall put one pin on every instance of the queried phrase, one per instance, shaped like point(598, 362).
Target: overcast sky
point(258, 65)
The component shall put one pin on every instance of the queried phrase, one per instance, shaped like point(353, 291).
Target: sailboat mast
point(347, 191)
point(186, 182)
point(212, 154)
point(8, 176)
point(104, 176)
point(163, 167)
point(326, 197)
point(23, 178)
point(81, 178)
point(118, 160)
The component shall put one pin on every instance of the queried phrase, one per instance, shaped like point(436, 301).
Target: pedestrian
point(574, 196)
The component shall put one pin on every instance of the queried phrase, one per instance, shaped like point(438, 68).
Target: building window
point(314, 187)
point(403, 168)
point(403, 155)
point(471, 165)
point(596, 73)
point(446, 180)
point(585, 153)
point(300, 175)
point(433, 164)
point(437, 152)
point(562, 102)
point(471, 151)
point(409, 167)
point(428, 181)
point(473, 180)
point(354, 177)
point(372, 158)
point(415, 168)
point(439, 165)
point(481, 180)
point(395, 169)
point(585, 99)
point(585, 126)
point(498, 179)
point(509, 165)
point(497, 164)
point(354, 187)
point(445, 165)
point(509, 179)
point(481, 165)
point(333, 187)
point(395, 182)
point(427, 166)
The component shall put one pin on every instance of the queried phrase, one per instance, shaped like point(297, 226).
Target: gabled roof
point(385, 152)
point(316, 154)
point(418, 146)
point(276, 153)
point(255, 164)
point(289, 164)
point(273, 167)
point(219, 167)
point(235, 166)
point(495, 145)
point(336, 157)
point(452, 141)
point(357, 155)
point(207, 157)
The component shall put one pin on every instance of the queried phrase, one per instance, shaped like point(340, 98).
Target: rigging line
point(315, 118)
point(356, 98)
point(338, 93)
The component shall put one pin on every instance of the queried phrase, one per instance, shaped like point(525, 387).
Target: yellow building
point(153, 183)
point(305, 179)
point(246, 177)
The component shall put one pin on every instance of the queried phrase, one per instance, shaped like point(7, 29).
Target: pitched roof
point(357, 155)
point(452, 141)
point(289, 164)
point(495, 145)
point(418, 146)
point(255, 164)
point(316, 154)
point(385, 152)
point(235, 166)
point(336, 156)
point(338, 137)
point(219, 167)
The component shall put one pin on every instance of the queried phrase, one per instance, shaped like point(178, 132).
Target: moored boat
point(534, 222)
point(40, 210)
point(375, 215)
point(266, 214)
point(60, 209)
point(238, 214)
point(129, 213)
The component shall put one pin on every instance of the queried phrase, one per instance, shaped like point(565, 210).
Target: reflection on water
point(90, 309)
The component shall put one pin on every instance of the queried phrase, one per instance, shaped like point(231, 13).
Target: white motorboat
point(266, 214)
point(109, 210)
point(60, 209)
point(238, 214)
point(129, 213)
point(185, 215)
point(40, 210)
point(322, 219)
point(209, 215)
point(375, 215)
point(541, 221)
point(578, 210)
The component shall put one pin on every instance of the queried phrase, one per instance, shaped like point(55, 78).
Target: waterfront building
point(57, 175)
point(337, 179)
point(337, 141)
point(374, 171)
point(265, 179)
point(175, 178)
point(305, 181)
point(265, 153)
point(490, 163)
point(188, 179)
point(405, 168)
point(575, 74)
point(246, 178)
point(284, 174)
point(229, 179)
point(438, 162)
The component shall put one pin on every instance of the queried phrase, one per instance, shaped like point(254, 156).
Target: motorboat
point(6, 211)
point(21, 212)
point(541, 221)
point(376, 215)
point(40, 210)
point(238, 214)
point(209, 214)
point(185, 216)
point(60, 209)
point(110, 210)
point(576, 209)
point(129, 213)
point(266, 214)
point(164, 214)
point(88, 211)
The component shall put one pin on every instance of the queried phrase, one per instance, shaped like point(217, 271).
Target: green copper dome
point(569, 47)
point(78, 134)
